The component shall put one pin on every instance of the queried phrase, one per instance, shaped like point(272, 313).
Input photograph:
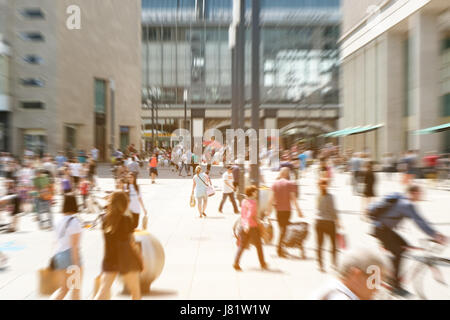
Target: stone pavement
point(199, 252)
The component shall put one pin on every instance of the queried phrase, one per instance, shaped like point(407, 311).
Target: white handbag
point(209, 189)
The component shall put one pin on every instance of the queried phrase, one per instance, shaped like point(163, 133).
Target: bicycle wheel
point(428, 281)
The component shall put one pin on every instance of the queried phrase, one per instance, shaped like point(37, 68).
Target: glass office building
point(185, 46)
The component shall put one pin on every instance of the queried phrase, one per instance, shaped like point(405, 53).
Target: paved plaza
point(199, 252)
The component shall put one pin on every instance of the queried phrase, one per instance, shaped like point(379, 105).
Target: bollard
point(153, 257)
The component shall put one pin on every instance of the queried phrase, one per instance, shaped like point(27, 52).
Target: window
point(446, 105)
point(71, 138)
point(4, 74)
point(35, 140)
point(32, 82)
point(33, 13)
point(124, 137)
point(100, 96)
point(32, 36)
point(32, 105)
point(152, 34)
point(167, 34)
point(32, 59)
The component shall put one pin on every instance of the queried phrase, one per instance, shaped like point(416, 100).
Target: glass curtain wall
point(185, 50)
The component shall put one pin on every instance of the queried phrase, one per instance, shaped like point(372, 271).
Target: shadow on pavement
point(214, 217)
point(159, 293)
point(277, 271)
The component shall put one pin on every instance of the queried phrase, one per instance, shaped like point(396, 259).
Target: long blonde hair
point(117, 207)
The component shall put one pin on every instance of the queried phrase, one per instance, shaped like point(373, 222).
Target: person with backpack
point(67, 254)
point(249, 227)
point(386, 216)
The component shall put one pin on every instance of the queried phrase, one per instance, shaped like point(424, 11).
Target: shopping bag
point(192, 202)
point(49, 281)
point(341, 241)
point(144, 222)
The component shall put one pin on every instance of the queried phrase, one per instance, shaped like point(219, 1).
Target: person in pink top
point(249, 227)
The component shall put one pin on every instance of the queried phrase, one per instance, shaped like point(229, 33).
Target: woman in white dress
point(135, 199)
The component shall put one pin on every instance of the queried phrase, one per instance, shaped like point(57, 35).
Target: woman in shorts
point(199, 186)
point(67, 255)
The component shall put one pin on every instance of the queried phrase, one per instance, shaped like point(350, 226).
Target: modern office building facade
point(185, 47)
point(395, 75)
point(71, 88)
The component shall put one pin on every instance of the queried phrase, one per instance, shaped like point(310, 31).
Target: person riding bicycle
point(386, 216)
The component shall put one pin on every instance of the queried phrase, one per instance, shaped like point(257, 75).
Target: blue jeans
point(63, 260)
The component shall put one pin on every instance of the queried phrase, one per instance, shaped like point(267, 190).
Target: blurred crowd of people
point(32, 182)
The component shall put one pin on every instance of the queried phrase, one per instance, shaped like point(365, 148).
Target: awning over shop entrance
point(363, 129)
point(335, 134)
point(436, 129)
point(352, 131)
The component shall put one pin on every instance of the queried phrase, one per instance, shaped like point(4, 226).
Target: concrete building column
point(391, 93)
point(198, 128)
point(425, 76)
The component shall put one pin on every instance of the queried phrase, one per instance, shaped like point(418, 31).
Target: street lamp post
point(185, 109)
point(157, 122)
point(254, 172)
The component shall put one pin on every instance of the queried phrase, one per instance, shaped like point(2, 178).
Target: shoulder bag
point(209, 189)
